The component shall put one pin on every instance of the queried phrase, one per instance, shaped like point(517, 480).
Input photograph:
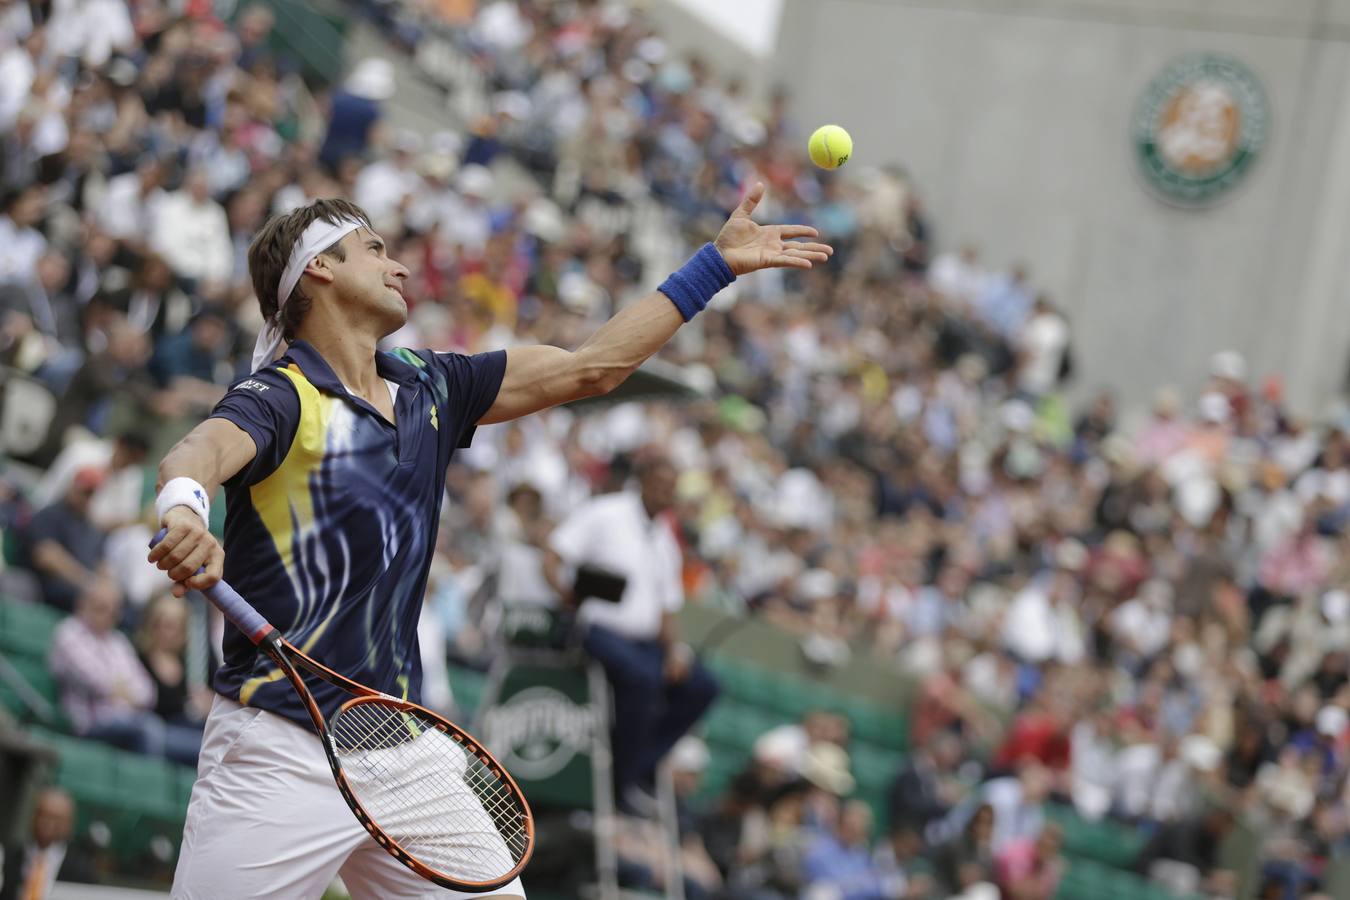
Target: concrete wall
point(1013, 117)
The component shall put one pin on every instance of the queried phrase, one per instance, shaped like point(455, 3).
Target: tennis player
point(333, 460)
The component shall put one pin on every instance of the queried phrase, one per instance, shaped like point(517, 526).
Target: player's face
point(371, 281)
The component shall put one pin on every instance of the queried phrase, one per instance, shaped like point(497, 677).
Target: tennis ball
point(830, 146)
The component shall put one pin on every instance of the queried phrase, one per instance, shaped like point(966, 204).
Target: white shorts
point(266, 820)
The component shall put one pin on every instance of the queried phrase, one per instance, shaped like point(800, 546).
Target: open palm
point(748, 246)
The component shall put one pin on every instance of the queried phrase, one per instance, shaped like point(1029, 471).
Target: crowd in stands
point(1147, 620)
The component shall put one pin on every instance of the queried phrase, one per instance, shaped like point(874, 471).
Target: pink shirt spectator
point(99, 674)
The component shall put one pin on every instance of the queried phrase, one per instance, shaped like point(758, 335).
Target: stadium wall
point(1014, 118)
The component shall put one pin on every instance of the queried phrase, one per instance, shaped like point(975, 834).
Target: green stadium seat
point(88, 769)
point(874, 767)
point(148, 786)
point(1110, 843)
point(26, 628)
point(34, 670)
point(877, 726)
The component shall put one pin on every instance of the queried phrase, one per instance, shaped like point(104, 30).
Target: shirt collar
point(321, 375)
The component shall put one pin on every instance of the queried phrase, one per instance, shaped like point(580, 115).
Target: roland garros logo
point(536, 732)
point(1199, 128)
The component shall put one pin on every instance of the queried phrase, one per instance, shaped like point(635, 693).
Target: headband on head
point(320, 235)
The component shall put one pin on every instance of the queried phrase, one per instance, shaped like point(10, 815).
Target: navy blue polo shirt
point(330, 530)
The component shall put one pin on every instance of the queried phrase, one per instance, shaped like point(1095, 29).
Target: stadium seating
point(1106, 842)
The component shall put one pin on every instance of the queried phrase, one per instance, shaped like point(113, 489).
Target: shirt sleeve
point(267, 408)
point(473, 383)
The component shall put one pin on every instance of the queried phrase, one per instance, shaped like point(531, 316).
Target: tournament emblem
point(1199, 128)
point(537, 731)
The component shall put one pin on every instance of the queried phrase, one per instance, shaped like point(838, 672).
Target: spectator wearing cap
point(117, 500)
point(63, 545)
point(660, 688)
point(788, 744)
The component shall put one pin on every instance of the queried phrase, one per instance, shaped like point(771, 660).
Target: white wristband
point(183, 491)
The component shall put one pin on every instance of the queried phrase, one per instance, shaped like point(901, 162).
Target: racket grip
point(226, 599)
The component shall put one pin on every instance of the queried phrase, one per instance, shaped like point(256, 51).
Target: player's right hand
point(186, 548)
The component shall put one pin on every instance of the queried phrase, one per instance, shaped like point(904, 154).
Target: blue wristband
point(694, 284)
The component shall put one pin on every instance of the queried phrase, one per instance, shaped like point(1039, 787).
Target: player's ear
point(321, 267)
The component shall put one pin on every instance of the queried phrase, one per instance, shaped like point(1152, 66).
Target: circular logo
point(1199, 127)
point(536, 732)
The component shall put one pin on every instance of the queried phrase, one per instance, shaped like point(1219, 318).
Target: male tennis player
point(333, 460)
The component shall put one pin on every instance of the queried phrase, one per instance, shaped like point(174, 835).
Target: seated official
point(660, 689)
point(30, 869)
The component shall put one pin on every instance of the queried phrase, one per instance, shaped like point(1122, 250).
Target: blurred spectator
point(927, 787)
point(193, 234)
point(117, 499)
point(161, 642)
point(63, 545)
point(353, 124)
point(1185, 854)
point(838, 862)
point(1030, 868)
point(967, 859)
point(105, 690)
point(788, 744)
point(32, 868)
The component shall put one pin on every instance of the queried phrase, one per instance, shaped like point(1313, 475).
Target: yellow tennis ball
point(830, 147)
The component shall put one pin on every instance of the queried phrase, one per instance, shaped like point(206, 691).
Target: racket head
point(430, 794)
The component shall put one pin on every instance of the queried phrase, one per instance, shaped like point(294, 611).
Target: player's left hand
point(748, 246)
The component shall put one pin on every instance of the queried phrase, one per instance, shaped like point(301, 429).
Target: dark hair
point(134, 440)
point(271, 250)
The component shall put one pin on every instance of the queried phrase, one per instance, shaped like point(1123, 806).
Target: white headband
point(320, 235)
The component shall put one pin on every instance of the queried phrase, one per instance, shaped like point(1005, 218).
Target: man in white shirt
point(130, 205)
point(21, 244)
point(193, 233)
point(660, 689)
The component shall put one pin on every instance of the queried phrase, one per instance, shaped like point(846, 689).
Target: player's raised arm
point(189, 476)
point(540, 377)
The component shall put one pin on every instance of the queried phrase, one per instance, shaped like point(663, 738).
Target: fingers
point(192, 562)
point(787, 232)
point(170, 541)
point(814, 256)
point(751, 200)
point(215, 563)
point(783, 261)
point(823, 249)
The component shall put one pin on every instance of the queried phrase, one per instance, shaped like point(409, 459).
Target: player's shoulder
point(266, 387)
point(265, 381)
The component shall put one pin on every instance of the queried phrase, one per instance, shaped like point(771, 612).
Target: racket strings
point(426, 791)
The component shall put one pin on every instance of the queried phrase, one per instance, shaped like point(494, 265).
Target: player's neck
point(350, 354)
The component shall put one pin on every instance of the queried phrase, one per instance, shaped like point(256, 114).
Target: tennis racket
point(425, 789)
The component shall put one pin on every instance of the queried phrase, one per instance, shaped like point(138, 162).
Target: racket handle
point(226, 599)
